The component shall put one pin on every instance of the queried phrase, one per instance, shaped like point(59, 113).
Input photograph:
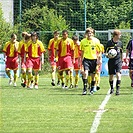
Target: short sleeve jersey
point(77, 51)
point(114, 45)
point(21, 48)
point(35, 50)
point(9, 49)
point(51, 46)
point(90, 48)
point(65, 47)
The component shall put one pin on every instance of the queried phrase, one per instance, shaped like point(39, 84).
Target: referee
point(90, 59)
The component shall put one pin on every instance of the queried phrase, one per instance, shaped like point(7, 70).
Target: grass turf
point(56, 110)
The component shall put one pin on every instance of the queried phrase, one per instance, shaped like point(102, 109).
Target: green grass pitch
point(56, 110)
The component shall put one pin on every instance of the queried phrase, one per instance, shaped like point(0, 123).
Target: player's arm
point(42, 58)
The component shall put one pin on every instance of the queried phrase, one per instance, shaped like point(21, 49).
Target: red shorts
point(76, 64)
point(65, 63)
point(23, 64)
point(33, 63)
point(12, 63)
point(52, 63)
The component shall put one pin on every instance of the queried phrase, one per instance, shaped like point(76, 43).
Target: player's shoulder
point(8, 42)
point(52, 39)
point(83, 40)
point(39, 42)
point(21, 41)
point(69, 39)
point(95, 39)
point(17, 42)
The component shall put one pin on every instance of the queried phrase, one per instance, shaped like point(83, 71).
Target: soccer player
point(115, 64)
point(98, 70)
point(77, 56)
point(129, 52)
point(89, 47)
point(35, 50)
point(11, 55)
point(53, 62)
point(65, 52)
point(21, 52)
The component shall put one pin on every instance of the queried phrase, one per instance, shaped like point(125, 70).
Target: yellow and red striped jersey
point(10, 49)
point(77, 50)
point(22, 48)
point(51, 46)
point(65, 47)
point(35, 50)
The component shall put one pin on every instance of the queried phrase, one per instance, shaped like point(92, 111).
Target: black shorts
point(90, 65)
point(130, 66)
point(114, 66)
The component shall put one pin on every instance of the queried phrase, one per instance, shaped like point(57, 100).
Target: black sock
point(118, 82)
point(92, 85)
point(85, 84)
point(111, 84)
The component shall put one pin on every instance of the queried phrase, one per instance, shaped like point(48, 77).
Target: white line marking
point(100, 111)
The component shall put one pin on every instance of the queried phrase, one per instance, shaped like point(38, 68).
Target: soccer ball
point(112, 53)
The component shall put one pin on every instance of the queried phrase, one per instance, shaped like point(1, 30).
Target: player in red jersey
point(21, 52)
point(65, 52)
point(52, 60)
point(11, 54)
point(35, 50)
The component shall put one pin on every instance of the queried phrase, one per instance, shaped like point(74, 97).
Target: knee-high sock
point(76, 79)
point(23, 76)
point(58, 76)
point(8, 74)
point(15, 77)
point(62, 78)
point(30, 78)
point(97, 78)
point(118, 82)
point(67, 79)
point(36, 79)
point(71, 78)
point(111, 84)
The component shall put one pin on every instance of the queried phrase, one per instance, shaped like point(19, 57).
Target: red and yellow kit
point(21, 52)
point(77, 55)
point(34, 51)
point(51, 48)
point(65, 48)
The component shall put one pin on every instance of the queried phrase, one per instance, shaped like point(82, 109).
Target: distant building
point(8, 9)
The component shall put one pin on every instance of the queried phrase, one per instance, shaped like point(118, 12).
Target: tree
point(5, 30)
point(43, 19)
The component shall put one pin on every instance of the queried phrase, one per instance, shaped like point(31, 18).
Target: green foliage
point(43, 19)
point(53, 14)
point(125, 35)
point(5, 30)
point(102, 15)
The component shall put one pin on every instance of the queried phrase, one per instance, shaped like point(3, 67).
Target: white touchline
point(100, 111)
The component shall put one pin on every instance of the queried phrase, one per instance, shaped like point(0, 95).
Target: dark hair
point(64, 31)
point(33, 34)
point(75, 37)
point(23, 34)
point(116, 32)
point(90, 30)
point(13, 35)
point(27, 36)
point(56, 32)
